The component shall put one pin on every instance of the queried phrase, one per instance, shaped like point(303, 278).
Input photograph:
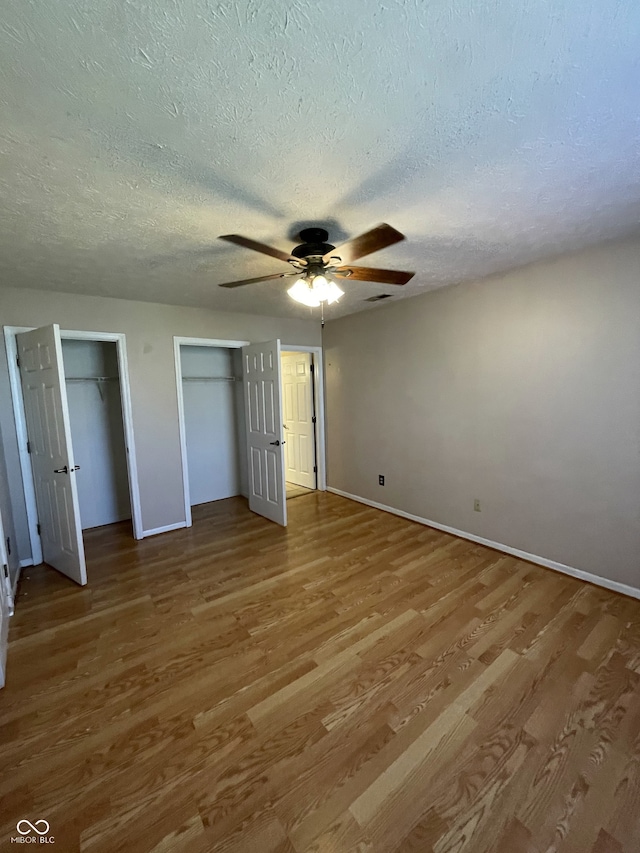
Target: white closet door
point(6, 605)
point(265, 451)
point(54, 479)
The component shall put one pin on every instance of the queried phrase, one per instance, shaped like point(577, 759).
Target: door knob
point(64, 470)
point(277, 443)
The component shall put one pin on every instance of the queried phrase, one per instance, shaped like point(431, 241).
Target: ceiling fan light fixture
point(313, 291)
point(302, 292)
point(326, 289)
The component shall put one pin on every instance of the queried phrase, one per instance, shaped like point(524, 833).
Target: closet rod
point(210, 379)
point(91, 378)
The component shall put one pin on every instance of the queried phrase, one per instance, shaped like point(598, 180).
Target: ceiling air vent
point(378, 297)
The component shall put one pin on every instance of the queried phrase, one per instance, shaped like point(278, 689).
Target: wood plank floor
point(356, 682)
point(295, 491)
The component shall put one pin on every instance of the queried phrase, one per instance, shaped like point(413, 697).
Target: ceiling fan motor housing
point(315, 244)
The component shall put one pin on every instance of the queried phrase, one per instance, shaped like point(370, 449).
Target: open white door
point(6, 606)
point(297, 404)
point(47, 416)
point(265, 453)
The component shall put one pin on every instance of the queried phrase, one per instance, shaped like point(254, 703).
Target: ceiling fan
point(317, 263)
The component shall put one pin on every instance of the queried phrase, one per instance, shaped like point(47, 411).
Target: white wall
point(522, 391)
point(97, 432)
point(149, 329)
point(211, 424)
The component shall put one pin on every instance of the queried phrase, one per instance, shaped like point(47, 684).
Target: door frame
point(316, 352)
point(318, 403)
point(119, 339)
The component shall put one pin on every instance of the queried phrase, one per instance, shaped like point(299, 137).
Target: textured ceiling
point(134, 132)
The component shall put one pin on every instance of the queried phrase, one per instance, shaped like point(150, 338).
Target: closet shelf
point(211, 379)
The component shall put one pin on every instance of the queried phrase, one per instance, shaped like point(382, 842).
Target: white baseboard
point(167, 529)
point(614, 586)
point(27, 562)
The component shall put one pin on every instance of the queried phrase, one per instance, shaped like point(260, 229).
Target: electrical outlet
point(476, 505)
point(381, 479)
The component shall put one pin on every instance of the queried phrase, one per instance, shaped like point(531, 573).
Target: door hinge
point(8, 546)
point(28, 447)
point(311, 368)
point(313, 419)
point(39, 529)
point(315, 469)
point(18, 360)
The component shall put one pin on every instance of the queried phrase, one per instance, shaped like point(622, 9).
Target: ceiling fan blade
point(371, 241)
point(259, 247)
point(259, 278)
point(373, 274)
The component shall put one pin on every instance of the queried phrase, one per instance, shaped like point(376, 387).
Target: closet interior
point(97, 431)
point(214, 422)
